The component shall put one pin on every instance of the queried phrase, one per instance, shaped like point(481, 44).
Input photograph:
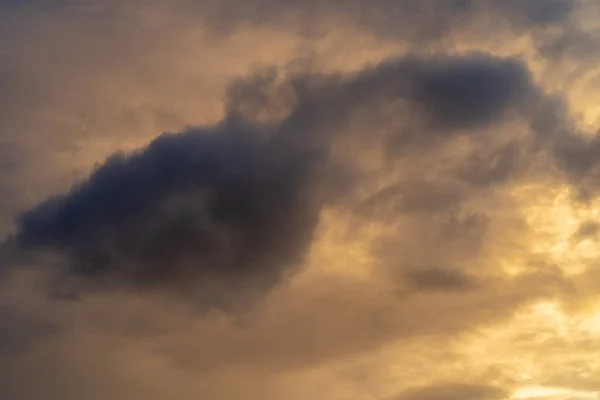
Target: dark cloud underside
point(237, 202)
point(220, 205)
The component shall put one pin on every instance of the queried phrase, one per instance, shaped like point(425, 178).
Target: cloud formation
point(237, 201)
point(191, 209)
point(390, 199)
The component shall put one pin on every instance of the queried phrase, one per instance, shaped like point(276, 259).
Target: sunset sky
point(300, 199)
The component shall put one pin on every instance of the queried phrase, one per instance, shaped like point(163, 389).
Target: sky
point(291, 200)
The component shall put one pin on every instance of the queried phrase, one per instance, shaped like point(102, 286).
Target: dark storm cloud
point(466, 91)
point(220, 206)
point(473, 91)
point(455, 391)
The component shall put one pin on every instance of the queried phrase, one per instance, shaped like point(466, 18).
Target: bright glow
point(550, 393)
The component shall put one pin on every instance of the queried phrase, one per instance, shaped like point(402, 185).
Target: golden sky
point(292, 200)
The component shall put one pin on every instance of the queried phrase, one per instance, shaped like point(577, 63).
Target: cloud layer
point(241, 201)
point(391, 199)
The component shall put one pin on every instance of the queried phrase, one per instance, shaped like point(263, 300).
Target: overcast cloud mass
point(291, 200)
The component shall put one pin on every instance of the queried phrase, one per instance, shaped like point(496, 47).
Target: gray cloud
point(204, 207)
point(472, 91)
point(403, 172)
point(234, 203)
point(432, 95)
